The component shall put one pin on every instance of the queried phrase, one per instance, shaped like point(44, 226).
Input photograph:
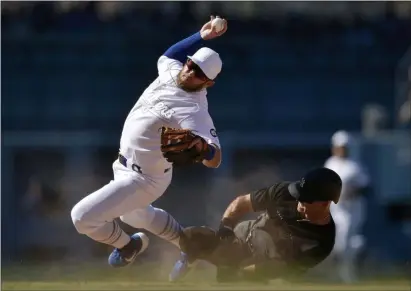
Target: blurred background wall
point(294, 73)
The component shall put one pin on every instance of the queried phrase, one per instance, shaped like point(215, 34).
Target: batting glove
point(225, 232)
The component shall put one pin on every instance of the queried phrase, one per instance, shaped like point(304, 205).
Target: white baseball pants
point(349, 217)
point(128, 196)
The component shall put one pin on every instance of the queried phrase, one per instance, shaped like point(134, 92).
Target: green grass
point(129, 285)
point(152, 277)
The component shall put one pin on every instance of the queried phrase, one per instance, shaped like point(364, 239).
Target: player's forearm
point(213, 160)
point(238, 208)
point(187, 46)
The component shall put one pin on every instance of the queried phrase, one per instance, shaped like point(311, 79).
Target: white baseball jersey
point(164, 103)
point(348, 214)
point(351, 173)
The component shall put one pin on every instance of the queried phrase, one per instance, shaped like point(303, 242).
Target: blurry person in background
point(349, 214)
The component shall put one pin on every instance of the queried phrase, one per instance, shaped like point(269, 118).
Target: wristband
point(227, 222)
point(210, 153)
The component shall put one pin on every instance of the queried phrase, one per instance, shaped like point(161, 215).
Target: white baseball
point(218, 24)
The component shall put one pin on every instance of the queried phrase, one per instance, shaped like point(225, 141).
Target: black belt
point(134, 167)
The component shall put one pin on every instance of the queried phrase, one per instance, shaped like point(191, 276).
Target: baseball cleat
point(126, 255)
point(181, 268)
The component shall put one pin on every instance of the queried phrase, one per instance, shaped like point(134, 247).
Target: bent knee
point(82, 218)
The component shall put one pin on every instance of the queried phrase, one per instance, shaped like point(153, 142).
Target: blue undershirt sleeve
point(182, 49)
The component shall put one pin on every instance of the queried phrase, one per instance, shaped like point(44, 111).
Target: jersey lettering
point(164, 110)
point(163, 103)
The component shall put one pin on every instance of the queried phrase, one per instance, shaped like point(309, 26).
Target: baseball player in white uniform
point(349, 214)
point(177, 98)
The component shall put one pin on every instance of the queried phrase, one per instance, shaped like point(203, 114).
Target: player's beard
point(181, 84)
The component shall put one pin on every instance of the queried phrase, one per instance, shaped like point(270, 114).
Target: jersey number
point(164, 110)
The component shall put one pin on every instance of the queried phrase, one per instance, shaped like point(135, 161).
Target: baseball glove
point(177, 146)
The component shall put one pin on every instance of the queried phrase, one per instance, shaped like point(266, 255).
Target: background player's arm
point(256, 201)
point(361, 183)
point(358, 185)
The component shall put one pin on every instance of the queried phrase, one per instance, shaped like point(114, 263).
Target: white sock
point(157, 221)
point(165, 226)
point(111, 234)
